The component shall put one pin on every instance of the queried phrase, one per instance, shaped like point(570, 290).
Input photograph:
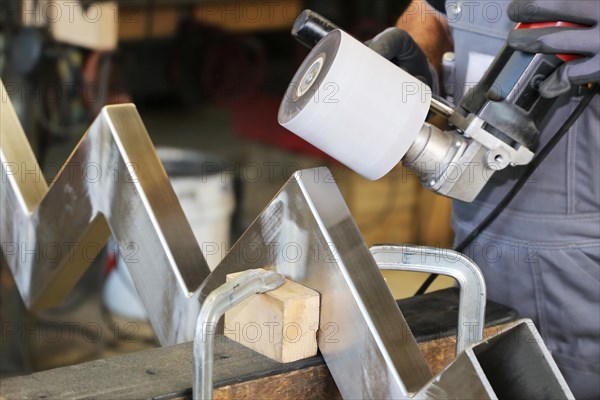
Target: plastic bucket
point(205, 190)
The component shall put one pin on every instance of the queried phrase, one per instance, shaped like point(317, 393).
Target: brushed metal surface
point(112, 182)
point(307, 234)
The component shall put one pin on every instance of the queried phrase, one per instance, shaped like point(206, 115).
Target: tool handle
point(310, 27)
point(507, 96)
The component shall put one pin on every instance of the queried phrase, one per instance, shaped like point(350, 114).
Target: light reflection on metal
point(112, 182)
point(471, 311)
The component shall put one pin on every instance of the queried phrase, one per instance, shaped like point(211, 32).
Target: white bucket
point(205, 191)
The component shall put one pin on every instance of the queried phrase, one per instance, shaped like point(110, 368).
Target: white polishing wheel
point(355, 105)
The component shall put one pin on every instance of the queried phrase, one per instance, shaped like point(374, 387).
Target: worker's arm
point(417, 43)
point(429, 29)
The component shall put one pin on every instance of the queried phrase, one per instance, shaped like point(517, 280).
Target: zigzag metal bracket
point(305, 233)
point(112, 182)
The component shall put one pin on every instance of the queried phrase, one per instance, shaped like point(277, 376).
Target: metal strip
point(112, 182)
point(462, 379)
point(307, 234)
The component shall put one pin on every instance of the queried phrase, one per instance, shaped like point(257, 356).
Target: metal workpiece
point(112, 182)
point(462, 379)
point(471, 311)
point(307, 234)
point(513, 363)
point(216, 304)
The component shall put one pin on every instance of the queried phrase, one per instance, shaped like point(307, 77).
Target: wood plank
point(239, 371)
point(308, 383)
point(167, 373)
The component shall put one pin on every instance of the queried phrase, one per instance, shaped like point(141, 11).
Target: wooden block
point(281, 324)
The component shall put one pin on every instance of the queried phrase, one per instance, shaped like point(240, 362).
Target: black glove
point(397, 46)
point(560, 40)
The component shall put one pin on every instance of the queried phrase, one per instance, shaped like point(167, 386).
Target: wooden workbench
point(240, 373)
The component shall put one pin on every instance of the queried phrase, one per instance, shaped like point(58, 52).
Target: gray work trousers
point(542, 255)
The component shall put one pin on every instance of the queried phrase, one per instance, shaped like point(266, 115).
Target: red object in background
point(257, 120)
point(234, 75)
point(111, 262)
point(536, 25)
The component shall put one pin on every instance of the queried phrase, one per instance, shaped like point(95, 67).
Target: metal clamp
point(471, 312)
point(218, 301)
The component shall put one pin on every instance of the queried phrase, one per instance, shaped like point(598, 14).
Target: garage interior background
point(206, 77)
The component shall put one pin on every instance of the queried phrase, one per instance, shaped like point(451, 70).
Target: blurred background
point(207, 78)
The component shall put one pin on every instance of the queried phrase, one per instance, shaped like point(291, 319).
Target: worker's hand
point(397, 46)
point(560, 40)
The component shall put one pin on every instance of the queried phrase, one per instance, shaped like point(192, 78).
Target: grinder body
point(498, 119)
point(496, 124)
